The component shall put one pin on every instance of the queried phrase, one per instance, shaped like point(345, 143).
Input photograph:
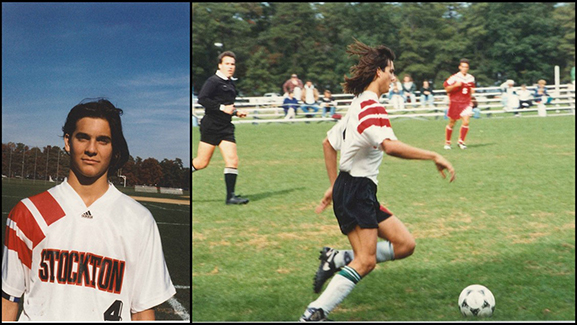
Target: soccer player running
point(367, 134)
point(459, 87)
point(216, 129)
point(83, 250)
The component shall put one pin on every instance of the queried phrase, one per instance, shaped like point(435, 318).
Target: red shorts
point(459, 109)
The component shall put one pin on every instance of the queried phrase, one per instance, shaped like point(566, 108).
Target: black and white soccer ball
point(476, 300)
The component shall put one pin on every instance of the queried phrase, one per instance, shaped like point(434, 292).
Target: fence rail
point(270, 109)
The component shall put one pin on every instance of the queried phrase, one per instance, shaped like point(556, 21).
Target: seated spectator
point(409, 88)
point(310, 96)
point(541, 96)
point(525, 98)
point(290, 105)
point(427, 96)
point(396, 97)
point(328, 104)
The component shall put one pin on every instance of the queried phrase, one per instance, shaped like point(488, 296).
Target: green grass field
point(507, 222)
point(174, 226)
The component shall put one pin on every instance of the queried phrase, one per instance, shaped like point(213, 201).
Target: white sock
point(385, 253)
point(339, 287)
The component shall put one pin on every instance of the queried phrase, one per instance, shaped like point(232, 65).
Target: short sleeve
point(374, 124)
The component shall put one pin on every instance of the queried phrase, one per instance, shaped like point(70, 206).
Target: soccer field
point(173, 223)
point(507, 222)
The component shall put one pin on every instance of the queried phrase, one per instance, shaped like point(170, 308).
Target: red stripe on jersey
point(48, 207)
point(378, 109)
point(377, 121)
point(13, 242)
point(26, 223)
point(367, 103)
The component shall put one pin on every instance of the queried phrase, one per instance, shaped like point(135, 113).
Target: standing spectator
point(310, 97)
point(328, 104)
point(396, 97)
point(217, 96)
point(508, 95)
point(409, 88)
point(541, 95)
point(460, 88)
point(427, 96)
point(290, 105)
point(291, 84)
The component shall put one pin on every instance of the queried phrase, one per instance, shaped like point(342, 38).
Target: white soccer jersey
point(367, 126)
point(78, 263)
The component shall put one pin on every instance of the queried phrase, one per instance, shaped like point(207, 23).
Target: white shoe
point(447, 147)
point(462, 146)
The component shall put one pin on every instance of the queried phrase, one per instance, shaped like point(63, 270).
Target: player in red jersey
point(460, 87)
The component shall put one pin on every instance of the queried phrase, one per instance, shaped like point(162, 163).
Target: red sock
point(448, 133)
point(464, 130)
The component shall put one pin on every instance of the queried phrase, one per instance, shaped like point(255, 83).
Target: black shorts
point(213, 132)
point(355, 203)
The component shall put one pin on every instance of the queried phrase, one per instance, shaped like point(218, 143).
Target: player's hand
point(241, 113)
point(326, 201)
point(228, 109)
point(443, 164)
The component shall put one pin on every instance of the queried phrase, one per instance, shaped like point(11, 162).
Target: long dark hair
point(370, 59)
point(101, 108)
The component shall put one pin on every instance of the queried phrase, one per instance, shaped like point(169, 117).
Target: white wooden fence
point(270, 109)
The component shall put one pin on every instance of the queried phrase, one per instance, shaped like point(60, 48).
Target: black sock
point(230, 175)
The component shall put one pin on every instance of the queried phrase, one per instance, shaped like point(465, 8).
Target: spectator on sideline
point(541, 95)
point(328, 104)
point(427, 96)
point(290, 105)
point(396, 97)
point(310, 97)
point(525, 97)
point(291, 85)
point(408, 87)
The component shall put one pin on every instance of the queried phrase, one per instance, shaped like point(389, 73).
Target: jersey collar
point(223, 77)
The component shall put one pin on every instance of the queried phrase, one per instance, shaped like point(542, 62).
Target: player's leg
point(449, 132)
point(229, 153)
point(203, 155)
point(464, 130)
point(364, 243)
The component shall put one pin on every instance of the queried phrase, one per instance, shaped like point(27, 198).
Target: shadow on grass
point(254, 197)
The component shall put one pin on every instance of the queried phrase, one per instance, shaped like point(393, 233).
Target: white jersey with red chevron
point(78, 263)
point(367, 125)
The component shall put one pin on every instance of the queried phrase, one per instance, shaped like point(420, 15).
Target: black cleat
point(313, 315)
point(326, 269)
point(236, 200)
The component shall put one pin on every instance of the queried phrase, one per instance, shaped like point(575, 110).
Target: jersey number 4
point(114, 311)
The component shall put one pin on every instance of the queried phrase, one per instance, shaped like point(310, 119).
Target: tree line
point(53, 163)
point(272, 40)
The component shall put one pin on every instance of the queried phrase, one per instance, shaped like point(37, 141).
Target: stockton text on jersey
point(81, 269)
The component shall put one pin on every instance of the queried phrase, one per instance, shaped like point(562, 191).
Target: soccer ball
point(476, 300)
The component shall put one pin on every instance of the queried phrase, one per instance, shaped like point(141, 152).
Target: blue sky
point(135, 54)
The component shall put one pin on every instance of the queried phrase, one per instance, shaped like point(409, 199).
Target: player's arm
point(450, 88)
point(331, 164)
point(143, 315)
point(9, 310)
point(399, 149)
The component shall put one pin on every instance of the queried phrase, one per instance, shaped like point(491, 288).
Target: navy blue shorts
point(355, 203)
point(213, 132)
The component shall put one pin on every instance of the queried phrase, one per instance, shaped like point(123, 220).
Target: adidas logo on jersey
point(87, 215)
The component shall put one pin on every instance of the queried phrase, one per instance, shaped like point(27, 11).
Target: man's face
point(464, 67)
point(387, 77)
point(227, 66)
point(90, 147)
